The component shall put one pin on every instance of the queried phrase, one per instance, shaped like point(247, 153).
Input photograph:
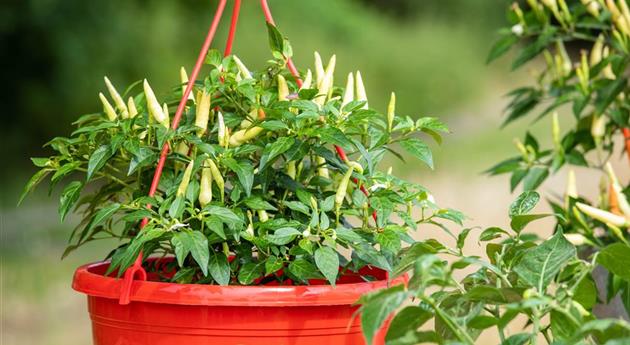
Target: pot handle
point(136, 271)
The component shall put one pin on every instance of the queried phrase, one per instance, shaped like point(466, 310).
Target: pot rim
point(93, 284)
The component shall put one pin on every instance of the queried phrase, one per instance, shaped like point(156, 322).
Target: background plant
point(584, 48)
point(254, 188)
point(540, 288)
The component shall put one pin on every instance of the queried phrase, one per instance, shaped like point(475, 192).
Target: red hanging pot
point(187, 314)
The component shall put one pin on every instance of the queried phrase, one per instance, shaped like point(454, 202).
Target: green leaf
point(225, 215)
point(418, 149)
point(534, 178)
point(244, 171)
point(200, 250)
point(389, 240)
point(608, 94)
point(273, 150)
point(273, 264)
point(335, 136)
point(98, 159)
point(256, 202)
point(33, 182)
point(491, 233)
point(616, 258)
point(298, 206)
point(501, 47)
point(219, 268)
point(283, 236)
point(531, 51)
point(304, 270)
point(524, 203)
point(249, 272)
point(539, 265)
point(102, 215)
point(142, 158)
point(177, 207)
point(517, 339)
point(377, 307)
point(407, 321)
point(69, 197)
point(519, 222)
point(327, 262)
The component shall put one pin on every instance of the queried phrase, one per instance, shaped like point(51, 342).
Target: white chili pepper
point(183, 76)
point(222, 130)
point(245, 73)
point(120, 104)
point(131, 105)
point(348, 94)
point(107, 107)
point(308, 80)
point(155, 110)
point(601, 215)
point(342, 190)
point(361, 95)
point(216, 177)
point(622, 202)
point(319, 69)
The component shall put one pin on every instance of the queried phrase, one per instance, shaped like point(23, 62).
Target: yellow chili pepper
point(244, 135)
point(216, 176)
point(120, 104)
point(291, 169)
point(181, 190)
point(322, 170)
point(205, 184)
point(263, 216)
point(107, 107)
point(597, 51)
point(283, 88)
point(222, 130)
point(342, 190)
point(202, 115)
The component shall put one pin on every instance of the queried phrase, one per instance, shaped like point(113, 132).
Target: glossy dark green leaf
point(418, 149)
point(327, 261)
point(69, 197)
point(98, 159)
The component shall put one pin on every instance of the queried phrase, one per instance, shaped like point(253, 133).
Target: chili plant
point(525, 289)
point(583, 52)
point(266, 180)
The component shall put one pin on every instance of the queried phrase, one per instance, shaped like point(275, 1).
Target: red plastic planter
point(188, 314)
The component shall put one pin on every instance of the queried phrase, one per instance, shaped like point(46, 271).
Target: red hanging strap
point(136, 270)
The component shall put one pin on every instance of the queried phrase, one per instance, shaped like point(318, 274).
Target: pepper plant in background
point(266, 182)
point(524, 290)
point(581, 50)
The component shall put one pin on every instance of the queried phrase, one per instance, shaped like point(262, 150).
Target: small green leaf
point(141, 159)
point(273, 264)
point(377, 307)
point(177, 207)
point(273, 150)
point(69, 197)
point(249, 272)
point(283, 236)
point(539, 265)
point(418, 149)
point(256, 202)
point(33, 182)
point(501, 47)
point(98, 159)
point(616, 258)
point(244, 171)
point(524, 203)
point(219, 268)
point(304, 270)
point(327, 261)
point(519, 222)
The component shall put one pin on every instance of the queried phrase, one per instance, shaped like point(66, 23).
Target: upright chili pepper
point(131, 105)
point(391, 112)
point(107, 108)
point(348, 94)
point(205, 184)
point(308, 80)
point(325, 87)
point(221, 131)
point(361, 95)
point(571, 191)
point(183, 76)
point(155, 110)
point(319, 69)
point(322, 170)
point(597, 50)
point(120, 104)
point(183, 186)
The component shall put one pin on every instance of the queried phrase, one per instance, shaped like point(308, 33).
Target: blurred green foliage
point(429, 52)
